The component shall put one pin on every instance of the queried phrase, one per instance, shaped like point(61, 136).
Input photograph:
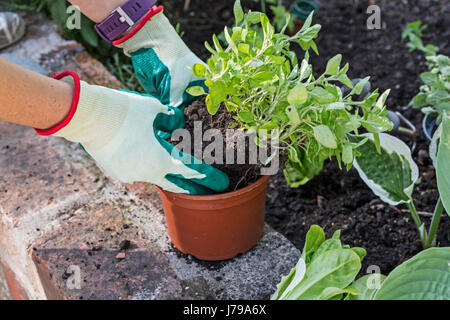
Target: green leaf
point(246, 116)
point(327, 245)
point(230, 41)
point(244, 48)
point(196, 91)
point(58, 12)
point(334, 65)
point(325, 136)
point(392, 173)
point(347, 154)
point(367, 286)
point(88, 33)
point(199, 70)
point(238, 12)
point(443, 164)
point(382, 99)
point(331, 292)
point(335, 268)
point(322, 96)
point(426, 276)
point(298, 95)
point(289, 282)
point(437, 97)
point(360, 86)
point(314, 239)
point(292, 113)
point(429, 78)
point(343, 78)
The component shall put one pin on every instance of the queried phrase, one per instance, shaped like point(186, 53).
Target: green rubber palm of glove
point(119, 130)
point(161, 62)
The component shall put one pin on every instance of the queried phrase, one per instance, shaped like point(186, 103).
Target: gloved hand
point(161, 60)
point(118, 129)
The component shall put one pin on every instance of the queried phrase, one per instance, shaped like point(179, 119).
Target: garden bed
point(337, 199)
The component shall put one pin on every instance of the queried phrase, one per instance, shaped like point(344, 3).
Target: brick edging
point(16, 290)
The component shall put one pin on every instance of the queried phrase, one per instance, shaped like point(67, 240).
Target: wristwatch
point(123, 18)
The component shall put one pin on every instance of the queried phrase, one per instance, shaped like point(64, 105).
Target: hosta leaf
point(443, 164)
point(390, 174)
point(426, 276)
point(367, 286)
point(434, 144)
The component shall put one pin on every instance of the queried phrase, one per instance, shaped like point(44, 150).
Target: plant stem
point(418, 222)
point(435, 223)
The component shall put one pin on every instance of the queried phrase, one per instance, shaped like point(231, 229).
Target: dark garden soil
point(338, 199)
point(240, 175)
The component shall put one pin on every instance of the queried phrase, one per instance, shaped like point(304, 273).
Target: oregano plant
point(258, 78)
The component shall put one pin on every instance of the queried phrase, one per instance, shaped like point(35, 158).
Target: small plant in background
point(279, 12)
point(413, 31)
point(434, 95)
point(259, 80)
point(327, 270)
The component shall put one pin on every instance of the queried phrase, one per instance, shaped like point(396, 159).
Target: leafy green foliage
point(259, 79)
point(434, 95)
point(325, 270)
point(426, 276)
point(390, 173)
point(413, 31)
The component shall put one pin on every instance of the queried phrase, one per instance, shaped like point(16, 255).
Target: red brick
point(91, 240)
point(15, 288)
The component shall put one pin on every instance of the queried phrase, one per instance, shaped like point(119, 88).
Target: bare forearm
point(30, 99)
point(97, 10)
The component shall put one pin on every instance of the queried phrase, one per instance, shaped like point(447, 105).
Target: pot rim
point(221, 196)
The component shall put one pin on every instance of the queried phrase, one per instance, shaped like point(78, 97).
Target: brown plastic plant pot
point(216, 227)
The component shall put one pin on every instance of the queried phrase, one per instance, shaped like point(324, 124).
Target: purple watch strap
point(121, 19)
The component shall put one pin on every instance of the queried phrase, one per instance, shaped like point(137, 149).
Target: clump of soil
point(240, 175)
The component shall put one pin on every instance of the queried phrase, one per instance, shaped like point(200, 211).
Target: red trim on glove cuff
point(73, 108)
point(152, 12)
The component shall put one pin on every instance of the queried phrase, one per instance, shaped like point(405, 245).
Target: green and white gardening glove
point(118, 129)
point(161, 59)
